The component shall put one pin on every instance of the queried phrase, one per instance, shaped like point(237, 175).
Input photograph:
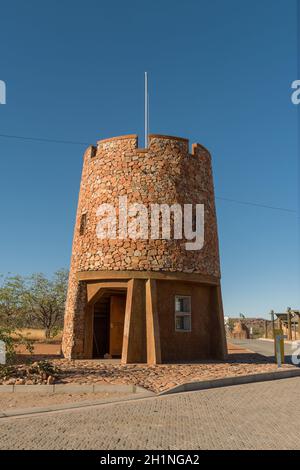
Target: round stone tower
point(148, 297)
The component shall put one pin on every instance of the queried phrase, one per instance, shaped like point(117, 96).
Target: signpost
point(279, 346)
point(2, 353)
point(273, 321)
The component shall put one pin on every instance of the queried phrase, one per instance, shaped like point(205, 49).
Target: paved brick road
point(255, 416)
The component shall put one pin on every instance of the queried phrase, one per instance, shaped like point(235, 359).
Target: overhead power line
point(40, 139)
point(72, 142)
point(265, 206)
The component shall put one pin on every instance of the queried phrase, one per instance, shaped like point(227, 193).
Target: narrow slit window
point(82, 224)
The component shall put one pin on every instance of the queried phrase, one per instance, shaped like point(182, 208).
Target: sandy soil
point(10, 401)
point(35, 334)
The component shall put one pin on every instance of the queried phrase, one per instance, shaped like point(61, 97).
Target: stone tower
point(144, 300)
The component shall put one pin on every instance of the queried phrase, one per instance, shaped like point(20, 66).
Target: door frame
point(95, 290)
point(106, 332)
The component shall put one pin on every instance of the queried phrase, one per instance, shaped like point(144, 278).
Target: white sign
point(2, 92)
point(296, 353)
point(2, 352)
point(296, 94)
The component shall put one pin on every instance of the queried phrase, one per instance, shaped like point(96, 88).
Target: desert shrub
point(11, 342)
point(43, 367)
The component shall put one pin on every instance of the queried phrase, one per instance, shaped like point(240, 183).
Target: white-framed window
point(183, 313)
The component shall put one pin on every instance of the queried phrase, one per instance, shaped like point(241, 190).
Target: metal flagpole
point(148, 124)
point(146, 110)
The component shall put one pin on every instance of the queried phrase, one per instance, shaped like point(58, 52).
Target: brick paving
point(253, 416)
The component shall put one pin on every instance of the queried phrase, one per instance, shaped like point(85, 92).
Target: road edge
point(229, 381)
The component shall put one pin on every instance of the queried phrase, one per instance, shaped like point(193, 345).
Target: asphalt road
point(265, 348)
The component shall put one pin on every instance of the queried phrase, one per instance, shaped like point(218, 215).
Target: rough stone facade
point(165, 173)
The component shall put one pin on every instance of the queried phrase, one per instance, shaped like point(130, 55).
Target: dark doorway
point(101, 328)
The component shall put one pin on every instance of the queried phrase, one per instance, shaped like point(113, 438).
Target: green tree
point(45, 300)
point(12, 312)
point(34, 301)
point(231, 324)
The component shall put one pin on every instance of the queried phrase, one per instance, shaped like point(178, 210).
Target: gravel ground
point(156, 378)
point(159, 377)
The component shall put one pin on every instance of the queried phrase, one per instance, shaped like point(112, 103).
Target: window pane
point(187, 322)
point(177, 304)
point(179, 323)
point(183, 322)
point(186, 304)
point(183, 304)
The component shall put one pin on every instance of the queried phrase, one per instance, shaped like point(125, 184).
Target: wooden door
point(117, 315)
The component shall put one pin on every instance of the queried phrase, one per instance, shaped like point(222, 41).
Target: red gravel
point(159, 377)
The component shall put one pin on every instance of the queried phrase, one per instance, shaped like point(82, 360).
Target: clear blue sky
point(220, 75)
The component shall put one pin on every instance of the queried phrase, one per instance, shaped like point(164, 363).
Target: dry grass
point(36, 334)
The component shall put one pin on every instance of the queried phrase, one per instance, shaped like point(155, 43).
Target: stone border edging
point(124, 388)
point(72, 388)
point(228, 381)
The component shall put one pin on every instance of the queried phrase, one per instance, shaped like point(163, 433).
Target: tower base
point(144, 317)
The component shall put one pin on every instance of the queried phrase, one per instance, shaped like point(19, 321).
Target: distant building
point(289, 322)
point(240, 331)
point(255, 327)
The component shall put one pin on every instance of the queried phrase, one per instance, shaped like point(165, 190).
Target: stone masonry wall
point(165, 173)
